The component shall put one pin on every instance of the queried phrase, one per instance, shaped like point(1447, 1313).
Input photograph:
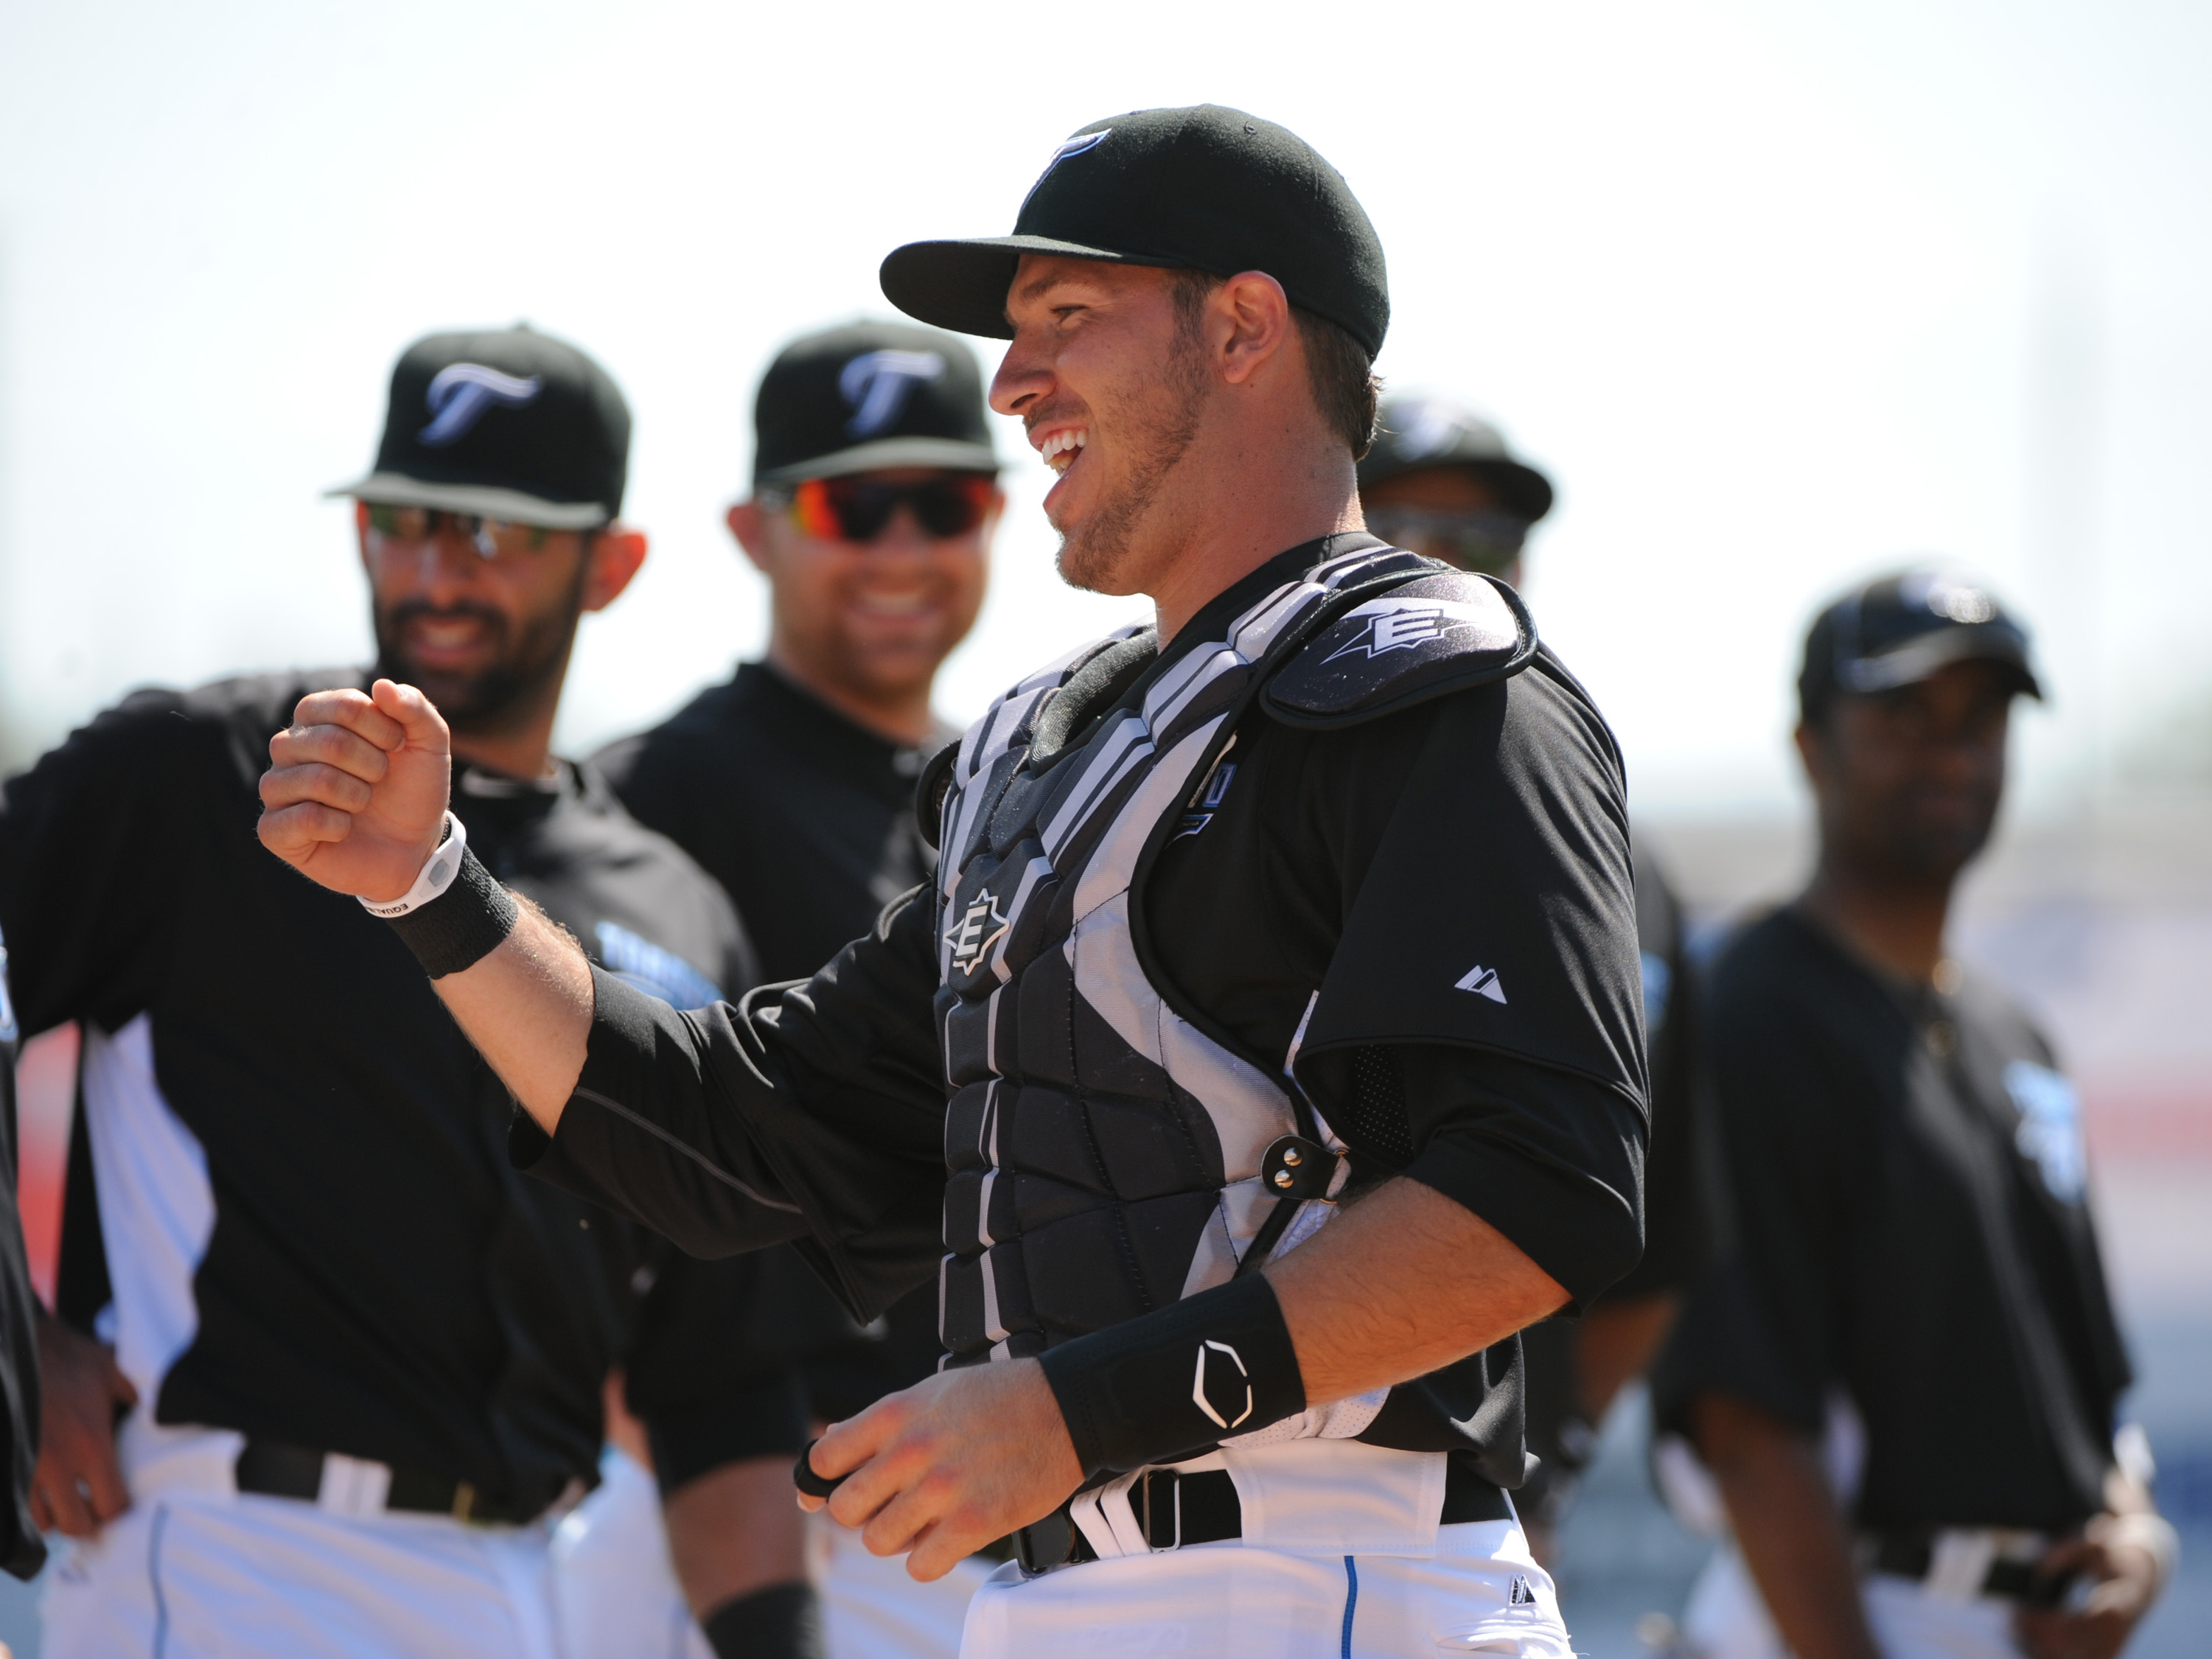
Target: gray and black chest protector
point(1104, 1153)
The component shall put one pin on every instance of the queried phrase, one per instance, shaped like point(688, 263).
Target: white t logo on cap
point(460, 394)
point(877, 384)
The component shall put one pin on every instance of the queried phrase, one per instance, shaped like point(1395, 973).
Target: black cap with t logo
point(1899, 629)
point(866, 396)
point(1200, 189)
point(509, 423)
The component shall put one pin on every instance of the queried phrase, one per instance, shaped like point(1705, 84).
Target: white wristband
point(2152, 1533)
point(433, 878)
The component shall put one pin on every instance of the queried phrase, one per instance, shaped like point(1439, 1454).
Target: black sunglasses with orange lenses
point(493, 539)
point(860, 509)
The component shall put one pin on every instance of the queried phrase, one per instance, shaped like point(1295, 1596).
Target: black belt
point(276, 1469)
point(1174, 1510)
point(1912, 1555)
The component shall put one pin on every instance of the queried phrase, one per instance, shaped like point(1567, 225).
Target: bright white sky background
point(1777, 292)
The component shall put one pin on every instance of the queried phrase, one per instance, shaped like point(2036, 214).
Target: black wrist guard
point(783, 1621)
point(1179, 1380)
point(462, 924)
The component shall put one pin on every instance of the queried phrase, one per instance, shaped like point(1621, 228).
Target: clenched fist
point(355, 793)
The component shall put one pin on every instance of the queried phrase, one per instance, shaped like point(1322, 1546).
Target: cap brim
point(1522, 490)
point(514, 505)
point(946, 454)
point(1917, 659)
point(962, 285)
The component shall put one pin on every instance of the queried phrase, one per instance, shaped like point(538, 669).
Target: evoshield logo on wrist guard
point(1213, 1379)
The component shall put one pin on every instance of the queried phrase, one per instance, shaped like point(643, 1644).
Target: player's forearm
point(528, 1007)
point(1400, 1284)
point(1788, 1525)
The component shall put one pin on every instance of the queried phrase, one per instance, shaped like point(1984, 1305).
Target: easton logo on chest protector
point(1103, 1153)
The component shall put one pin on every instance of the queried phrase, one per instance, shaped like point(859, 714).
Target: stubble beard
point(1159, 430)
point(506, 696)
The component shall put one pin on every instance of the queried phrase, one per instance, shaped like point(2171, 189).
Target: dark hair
point(1339, 371)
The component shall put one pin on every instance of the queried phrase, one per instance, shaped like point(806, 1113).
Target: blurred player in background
point(356, 1358)
point(23, 1552)
point(874, 498)
point(1914, 1267)
point(1442, 481)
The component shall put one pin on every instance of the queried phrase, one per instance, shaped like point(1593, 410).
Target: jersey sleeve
point(94, 839)
point(812, 1111)
point(1489, 947)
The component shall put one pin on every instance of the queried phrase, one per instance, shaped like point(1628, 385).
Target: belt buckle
point(1175, 1483)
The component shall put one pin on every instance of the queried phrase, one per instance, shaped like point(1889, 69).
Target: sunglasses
point(493, 538)
point(1476, 539)
point(860, 509)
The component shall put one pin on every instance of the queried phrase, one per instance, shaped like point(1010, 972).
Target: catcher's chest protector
point(1103, 1151)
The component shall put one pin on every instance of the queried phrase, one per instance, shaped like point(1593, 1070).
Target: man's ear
point(747, 522)
point(1258, 315)
point(361, 531)
point(616, 553)
point(1811, 752)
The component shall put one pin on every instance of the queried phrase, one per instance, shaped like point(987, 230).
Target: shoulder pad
point(1429, 637)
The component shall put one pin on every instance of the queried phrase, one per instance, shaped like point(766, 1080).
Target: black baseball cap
point(1416, 433)
point(866, 397)
point(1199, 189)
point(1899, 629)
point(509, 423)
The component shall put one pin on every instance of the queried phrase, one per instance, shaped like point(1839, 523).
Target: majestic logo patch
point(1483, 981)
point(1215, 1381)
point(1401, 624)
point(877, 384)
point(460, 394)
point(980, 927)
point(1524, 1593)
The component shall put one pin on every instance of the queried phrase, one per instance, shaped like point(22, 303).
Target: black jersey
point(1437, 902)
point(803, 816)
point(1911, 1228)
point(21, 1551)
point(328, 1245)
point(807, 819)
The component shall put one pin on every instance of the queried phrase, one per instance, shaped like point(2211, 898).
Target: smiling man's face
point(874, 617)
point(1107, 375)
point(486, 638)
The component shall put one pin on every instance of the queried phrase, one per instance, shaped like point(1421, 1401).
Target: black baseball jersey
point(21, 1551)
point(807, 819)
point(1435, 904)
point(804, 817)
point(1911, 1227)
point(328, 1246)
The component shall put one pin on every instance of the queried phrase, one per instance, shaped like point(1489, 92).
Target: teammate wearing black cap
point(874, 497)
point(1912, 1223)
point(367, 1356)
point(1317, 889)
point(1442, 481)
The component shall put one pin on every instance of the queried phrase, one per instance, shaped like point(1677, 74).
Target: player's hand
point(2122, 1582)
point(355, 794)
point(940, 1469)
point(77, 1485)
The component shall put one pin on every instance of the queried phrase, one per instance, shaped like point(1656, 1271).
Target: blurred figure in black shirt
point(1913, 1250)
point(1443, 481)
point(874, 499)
point(357, 1360)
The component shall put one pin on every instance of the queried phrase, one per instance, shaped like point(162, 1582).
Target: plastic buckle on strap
point(1175, 1508)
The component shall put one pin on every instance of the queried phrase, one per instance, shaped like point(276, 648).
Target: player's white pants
point(1726, 1618)
point(1258, 1603)
point(195, 1567)
point(619, 1598)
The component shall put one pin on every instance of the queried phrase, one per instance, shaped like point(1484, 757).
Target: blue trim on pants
point(1351, 1601)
